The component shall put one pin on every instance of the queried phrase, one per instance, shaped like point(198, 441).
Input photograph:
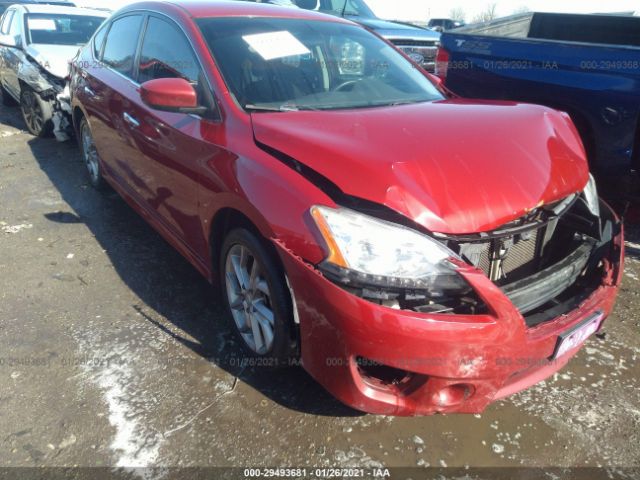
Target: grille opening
point(509, 257)
point(550, 265)
point(568, 300)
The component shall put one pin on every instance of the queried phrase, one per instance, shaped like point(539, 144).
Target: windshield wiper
point(262, 108)
point(344, 8)
point(281, 108)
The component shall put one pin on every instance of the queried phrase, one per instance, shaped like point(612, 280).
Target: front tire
point(36, 112)
point(257, 299)
point(90, 155)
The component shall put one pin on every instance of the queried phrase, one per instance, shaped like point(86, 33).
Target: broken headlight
point(591, 197)
point(366, 252)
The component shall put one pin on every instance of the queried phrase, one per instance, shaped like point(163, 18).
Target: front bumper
point(454, 363)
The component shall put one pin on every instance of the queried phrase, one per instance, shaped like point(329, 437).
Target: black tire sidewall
point(284, 348)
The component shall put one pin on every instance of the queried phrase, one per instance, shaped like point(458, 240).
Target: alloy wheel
point(32, 112)
point(90, 153)
point(250, 299)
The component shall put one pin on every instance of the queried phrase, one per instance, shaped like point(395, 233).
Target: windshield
point(357, 8)
point(290, 64)
point(58, 29)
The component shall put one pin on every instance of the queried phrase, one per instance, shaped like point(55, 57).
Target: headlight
point(591, 197)
point(365, 251)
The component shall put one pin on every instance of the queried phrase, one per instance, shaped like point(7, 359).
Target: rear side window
point(120, 47)
point(14, 26)
point(6, 21)
point(98, 41)
point(166, 53)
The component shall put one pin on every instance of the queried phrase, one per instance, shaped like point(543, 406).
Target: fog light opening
point(382, 376)
point(453, 395)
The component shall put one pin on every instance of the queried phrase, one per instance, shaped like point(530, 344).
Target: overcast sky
point(424, 9)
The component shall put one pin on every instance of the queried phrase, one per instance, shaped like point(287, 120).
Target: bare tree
point(488, 14)
point(521, 9)
point(458, 14)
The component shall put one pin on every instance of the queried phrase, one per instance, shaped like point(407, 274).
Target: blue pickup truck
point(585, 65)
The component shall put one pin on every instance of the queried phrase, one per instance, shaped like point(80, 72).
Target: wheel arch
point(227, 219)
point(77, 115)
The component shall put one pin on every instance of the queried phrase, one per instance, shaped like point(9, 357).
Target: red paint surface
point(453, 167)
point(169, 92)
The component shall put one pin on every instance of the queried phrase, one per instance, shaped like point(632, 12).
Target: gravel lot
point(113, 353)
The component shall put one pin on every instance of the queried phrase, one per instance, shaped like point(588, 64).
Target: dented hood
point(452, 166)
point(53, 58)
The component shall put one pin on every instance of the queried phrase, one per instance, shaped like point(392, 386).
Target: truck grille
point(415, 43)
point(422, 51)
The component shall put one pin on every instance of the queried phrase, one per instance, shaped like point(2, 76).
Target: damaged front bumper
point(51, 89)
point(401, 362)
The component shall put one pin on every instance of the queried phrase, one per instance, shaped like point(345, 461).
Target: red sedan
point(417, 253)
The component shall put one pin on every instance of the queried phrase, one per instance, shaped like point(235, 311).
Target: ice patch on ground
point(15, 228)
point(135, 445)
point(356, 457)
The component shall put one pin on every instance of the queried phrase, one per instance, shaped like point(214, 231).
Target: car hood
point(53, 58)
point(396, 30)
point(453, 166)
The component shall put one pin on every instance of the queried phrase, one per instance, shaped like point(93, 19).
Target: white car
point(37, 42)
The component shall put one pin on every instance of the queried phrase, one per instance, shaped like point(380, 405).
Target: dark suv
point(443, 24)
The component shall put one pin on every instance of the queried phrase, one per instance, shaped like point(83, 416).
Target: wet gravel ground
point(113, 353)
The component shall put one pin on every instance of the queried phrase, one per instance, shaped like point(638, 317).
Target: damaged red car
point(417, 253)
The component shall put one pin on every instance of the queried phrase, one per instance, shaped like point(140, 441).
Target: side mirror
point(171, 95)
point(9, 41)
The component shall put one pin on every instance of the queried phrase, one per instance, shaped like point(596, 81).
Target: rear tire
point(7, 99)
point(90, 155)
point(36, 112)
point(257, 300)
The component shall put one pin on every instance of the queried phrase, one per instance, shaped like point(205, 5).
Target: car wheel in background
point(257, 299)
point(36, 112)
point(90, 155)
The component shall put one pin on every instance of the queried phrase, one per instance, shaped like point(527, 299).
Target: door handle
point(89, 92)
point(130, 120)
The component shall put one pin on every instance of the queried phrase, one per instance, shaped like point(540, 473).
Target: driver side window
point(158, 61)
point(14, 26)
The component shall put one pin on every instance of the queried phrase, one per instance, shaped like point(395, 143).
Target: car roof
point(31, 2)
point(43, 8)
point(233, 8)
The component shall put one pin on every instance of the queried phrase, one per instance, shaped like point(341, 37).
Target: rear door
point(108, 93)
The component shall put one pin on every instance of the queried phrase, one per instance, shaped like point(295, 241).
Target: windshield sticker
point(274, 45)
point(42, 24)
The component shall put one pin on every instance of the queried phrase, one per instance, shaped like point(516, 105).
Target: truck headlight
point(591, 197)
point(366, 252)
